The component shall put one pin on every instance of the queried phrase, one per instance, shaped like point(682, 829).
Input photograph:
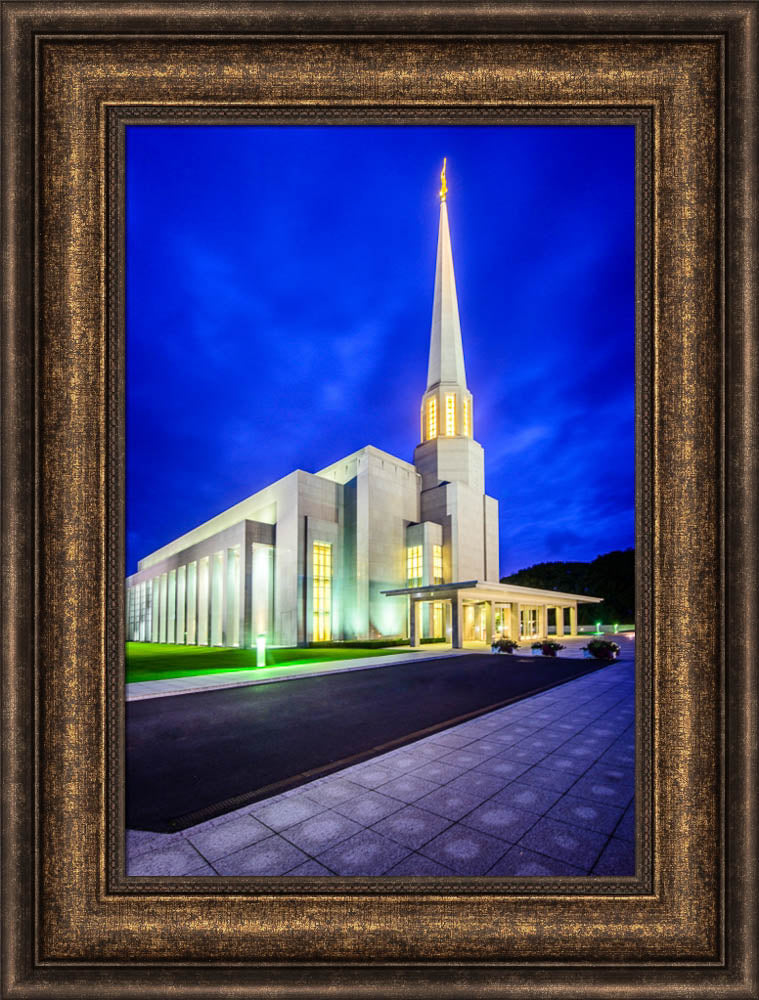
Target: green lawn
point(147, 661)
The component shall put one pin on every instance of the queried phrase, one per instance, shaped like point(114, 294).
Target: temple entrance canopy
point(473, 611)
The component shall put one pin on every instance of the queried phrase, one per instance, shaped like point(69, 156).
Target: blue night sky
point(279, 296)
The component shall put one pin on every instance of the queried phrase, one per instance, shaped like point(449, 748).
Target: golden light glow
point(437, 620)
point(437, 564)
point(450, 415)
point(322, 591)
point(443, 184)
point(431, 418)
point(414, 565)
point(467, 417)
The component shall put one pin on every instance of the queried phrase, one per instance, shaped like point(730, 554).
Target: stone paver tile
point(564, 842)
point(370, 775)
point(501, 820)
point(486, 746)
point(399, 762)
point(559, 761)
point(466, 851)
point(589, 815)
point(505, 769)
point(522, 755)
point(417, 865)
point(205, 869)
point(477, 783)
point(226, 838)
point(437, 771)
point(274, 856)
point(564, 727)
point(618, 758)
point(540, 742)
point(310, 867)
point(332, 790)
point(367, 853)
point(412, 826)
point(318, 833)
point(425, 749)
point(466, 758)
point(178, 858)
point(602, 789)
point(407, 788)
point(504, 738)
point(369, 807)
point(520, 862)
point(140, 841)
point(283, 812)
point(626, 828)
point(451, 802)
point(546, 777)
point(537, 800)
point(618, 859)
point(453, 740)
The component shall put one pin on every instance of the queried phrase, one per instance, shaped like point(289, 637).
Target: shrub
point(547, 647)
point(504, 645)
point(436, 639)
point(602, 649)
point(358, 643)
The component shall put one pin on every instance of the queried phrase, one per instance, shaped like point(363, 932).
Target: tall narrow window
point(437, 563)
point(322, 591)
point(467, 417)
point(431, 418)
point(414, 565)
point(450, 415)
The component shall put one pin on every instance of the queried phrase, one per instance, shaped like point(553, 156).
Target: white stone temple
point(370, 547)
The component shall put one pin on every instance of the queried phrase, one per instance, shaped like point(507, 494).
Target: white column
point(414, 623)
point(514, 631)
point(457, 622)
point(559, 621)
point(573, 619)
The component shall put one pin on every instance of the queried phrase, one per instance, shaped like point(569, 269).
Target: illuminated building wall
point(309, 557)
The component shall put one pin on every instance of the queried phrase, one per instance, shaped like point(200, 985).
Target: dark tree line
point(611, 576)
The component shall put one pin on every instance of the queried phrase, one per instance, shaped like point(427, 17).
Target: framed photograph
point(358, 359)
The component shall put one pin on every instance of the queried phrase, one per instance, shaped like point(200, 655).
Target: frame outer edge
point(742, 497)
point(19, 524)
point(17, 492)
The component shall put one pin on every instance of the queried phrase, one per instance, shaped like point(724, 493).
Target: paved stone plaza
point(541, 787)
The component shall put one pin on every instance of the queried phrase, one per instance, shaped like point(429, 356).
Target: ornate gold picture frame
point(685, 76)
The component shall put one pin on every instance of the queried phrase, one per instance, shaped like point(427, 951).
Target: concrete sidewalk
point(169, 686)
point(541, 787)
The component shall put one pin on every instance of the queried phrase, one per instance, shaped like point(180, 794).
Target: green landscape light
point(598, 628)
point(616, 629)
point(261, 650)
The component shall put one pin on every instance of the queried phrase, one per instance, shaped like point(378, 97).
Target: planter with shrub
point(546, 648)
point(504, 646)
point(601, 649)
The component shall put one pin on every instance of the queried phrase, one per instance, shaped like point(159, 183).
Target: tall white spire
point(446, 363)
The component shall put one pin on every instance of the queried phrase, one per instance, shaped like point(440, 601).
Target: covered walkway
point(475, 612)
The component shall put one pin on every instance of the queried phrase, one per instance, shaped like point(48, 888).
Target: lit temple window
point(450, 415)
point(322, 591)
point(468, 417)
point(431, 418)
point(437, 563)
point(414, 565)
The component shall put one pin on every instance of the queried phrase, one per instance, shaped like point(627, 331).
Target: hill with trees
point(611, 576)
